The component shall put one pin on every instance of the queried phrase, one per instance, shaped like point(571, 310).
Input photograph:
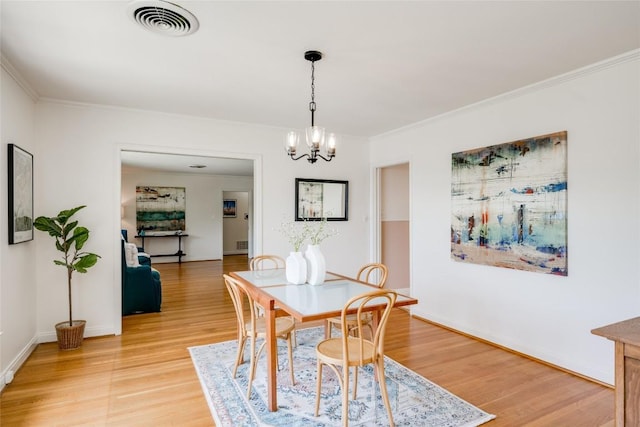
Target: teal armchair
point(141, 288)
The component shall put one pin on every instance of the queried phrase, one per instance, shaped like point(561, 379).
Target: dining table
point(305, 302)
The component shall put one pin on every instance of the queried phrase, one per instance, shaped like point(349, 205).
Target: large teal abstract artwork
point(509, 205)
point(160, 208)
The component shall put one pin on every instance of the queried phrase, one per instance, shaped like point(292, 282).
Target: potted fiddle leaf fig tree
point(70, 239)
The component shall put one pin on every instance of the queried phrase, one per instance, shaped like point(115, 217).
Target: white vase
point(315, 265)
point(296, 268)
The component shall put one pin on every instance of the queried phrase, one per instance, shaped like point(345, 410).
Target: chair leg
point(370, 329)
point(293, 334)
point(345, 396)
point(318, 386)
point(239, 354)
point(252, 369)
point(290, 345)
point(383, 389)
point(355, 381)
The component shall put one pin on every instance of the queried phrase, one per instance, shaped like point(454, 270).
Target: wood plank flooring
point(145, 376)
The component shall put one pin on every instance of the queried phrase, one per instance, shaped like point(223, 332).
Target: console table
point(179, 254)
point(626, 335)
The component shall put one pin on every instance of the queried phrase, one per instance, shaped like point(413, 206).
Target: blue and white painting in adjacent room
point(509, 205)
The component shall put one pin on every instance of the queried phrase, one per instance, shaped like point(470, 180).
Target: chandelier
point(320, 147)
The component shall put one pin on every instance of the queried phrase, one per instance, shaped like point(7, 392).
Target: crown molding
point(13, 72)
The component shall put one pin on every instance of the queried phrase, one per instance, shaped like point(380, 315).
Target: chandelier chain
point(312, 104)
point(313, 82)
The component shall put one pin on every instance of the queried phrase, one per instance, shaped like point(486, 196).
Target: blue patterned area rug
point(415, 400)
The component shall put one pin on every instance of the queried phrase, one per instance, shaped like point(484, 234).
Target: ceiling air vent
point(163, 17)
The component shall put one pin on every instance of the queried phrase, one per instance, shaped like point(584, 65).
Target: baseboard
point(510, 350)
point(240, 252)
point(17, 363)
point(95, 331)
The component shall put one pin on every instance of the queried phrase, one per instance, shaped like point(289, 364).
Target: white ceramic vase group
point(309, 268)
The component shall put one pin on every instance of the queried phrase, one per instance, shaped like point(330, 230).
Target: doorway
point(236, 235)
point(174, 162)
point(394, 225)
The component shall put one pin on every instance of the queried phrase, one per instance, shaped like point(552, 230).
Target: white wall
point(545, 316)
point(17, 262)
point(203, 214)
point(78, 162)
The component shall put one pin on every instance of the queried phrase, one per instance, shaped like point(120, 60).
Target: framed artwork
point(160, 208)
point(321, 198)
point(229, 208)
point(20, 169)
point(509, 205)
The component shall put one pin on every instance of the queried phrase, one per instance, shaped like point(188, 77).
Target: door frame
point(255, 195)
point(375, 215)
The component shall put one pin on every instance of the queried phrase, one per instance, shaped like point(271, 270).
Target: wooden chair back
point(383, 297)
point(239, 302)
point(264, 262)
point(373, 273)
point(242, 303)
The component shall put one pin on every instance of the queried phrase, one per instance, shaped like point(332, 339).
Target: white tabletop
point(273, 277)
point(309, 300)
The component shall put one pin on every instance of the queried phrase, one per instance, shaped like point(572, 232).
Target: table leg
point(272, 358)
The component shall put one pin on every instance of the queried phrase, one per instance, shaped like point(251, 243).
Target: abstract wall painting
point(509, 205)
point(20, 168)
point(160, 209)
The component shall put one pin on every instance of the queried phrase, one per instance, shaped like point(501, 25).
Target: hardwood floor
point(145, 376)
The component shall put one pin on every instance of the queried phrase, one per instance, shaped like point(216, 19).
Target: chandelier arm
point(299, 157)
point(324, 158)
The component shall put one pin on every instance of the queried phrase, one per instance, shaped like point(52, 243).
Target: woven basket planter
point(70, 337)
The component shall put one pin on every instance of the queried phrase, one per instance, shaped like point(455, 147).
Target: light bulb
point(292, 142)
point(315, 137)
point(331, 144)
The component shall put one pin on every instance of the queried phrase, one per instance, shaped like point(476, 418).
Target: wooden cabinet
point(626, 335)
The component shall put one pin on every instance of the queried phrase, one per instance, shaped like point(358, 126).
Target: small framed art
point(20, 169)
point(229, 208)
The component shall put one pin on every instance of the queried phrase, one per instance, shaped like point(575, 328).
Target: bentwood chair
point(374, 274)
point(251, 326)
point(349, 351)
point(263, 262)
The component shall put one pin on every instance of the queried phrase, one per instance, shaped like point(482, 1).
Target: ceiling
point(173, 163)
point(387, 64)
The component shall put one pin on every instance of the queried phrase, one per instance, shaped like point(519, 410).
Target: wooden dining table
point(270, 289)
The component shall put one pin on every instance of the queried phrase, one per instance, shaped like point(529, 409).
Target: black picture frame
point(229, 208)
point(20, 215)
point(321, 198)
